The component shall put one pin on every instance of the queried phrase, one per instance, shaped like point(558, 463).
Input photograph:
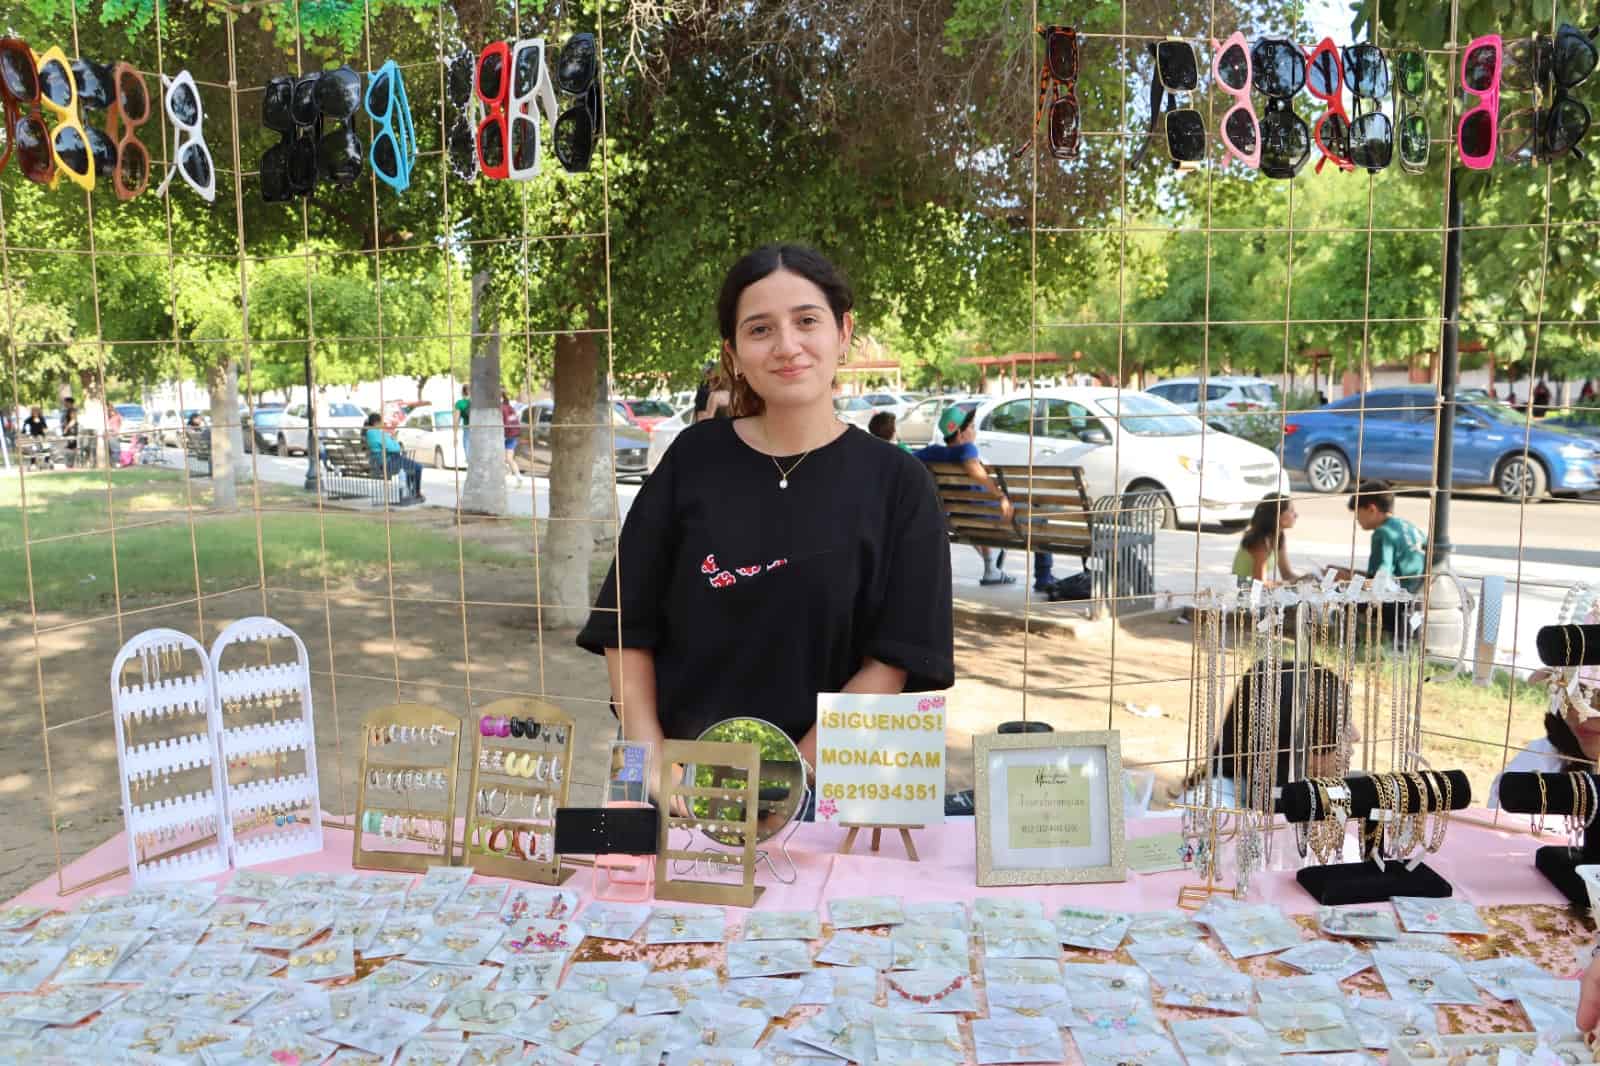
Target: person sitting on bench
point(388, 457)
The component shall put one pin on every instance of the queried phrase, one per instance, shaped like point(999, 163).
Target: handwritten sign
point(880, 759)
point(1049, 806)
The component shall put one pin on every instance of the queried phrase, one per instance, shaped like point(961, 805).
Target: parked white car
point(666, 432)
point(336, 418)
point(1225, 396)
point(429, 436)
point(1128, 442)
point(919, 426)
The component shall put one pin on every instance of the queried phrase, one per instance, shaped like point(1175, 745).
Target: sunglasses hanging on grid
point(1176, 74)
point(1058, 84)
point(1544, 71)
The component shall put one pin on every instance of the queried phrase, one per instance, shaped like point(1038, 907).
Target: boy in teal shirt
point(1399, 548)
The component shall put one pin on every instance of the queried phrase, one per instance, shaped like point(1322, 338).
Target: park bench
point(350, 472)
point(41, 453)
point(197, 451)
point(1051, 512)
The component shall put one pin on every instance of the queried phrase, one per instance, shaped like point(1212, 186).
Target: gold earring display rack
point(709, 787)
point(406, 797)
point(519, 779)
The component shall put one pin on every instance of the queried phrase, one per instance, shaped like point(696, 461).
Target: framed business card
point(1049, 808)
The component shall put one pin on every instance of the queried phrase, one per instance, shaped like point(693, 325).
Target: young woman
point(1571, 738)
point(1263, 550)
point(778, 553)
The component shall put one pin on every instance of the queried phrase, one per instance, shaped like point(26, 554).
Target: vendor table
point(1490, 868)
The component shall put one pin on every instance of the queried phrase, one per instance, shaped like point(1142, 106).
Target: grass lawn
point(69, 521)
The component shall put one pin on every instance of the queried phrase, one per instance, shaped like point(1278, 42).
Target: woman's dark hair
point(766, 260)
point(1562, 738)
point(374, 419)
point(1231, 758)
point(1263, 528)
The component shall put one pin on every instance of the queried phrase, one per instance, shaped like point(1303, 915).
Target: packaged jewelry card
point(828, 984)
point(227, 1002)
point(233, 918)
point(350, 1056)
point(323, 961)
point(605, 920)
point(1212, 989)
point(844, 1030)
point(62, 929)
point(24, 969)
point(1092, 983)
point(858, 949)
point(767, 958)
point(1120, 1019)
point(1495, 975)
point(425, 1052)
point(552, 903)
point(91, 960)
point(413, 1001)
point(1017, 1040)
point(1421, 914)
point(1308, 1027)
point(20, 917)
point(538, 935)
point(1006, 909)
point(361, 927)
point(1143, 1048)
point(565, 1019)
point(1550, 1004)
point(1439, 942)
point(715, 1024)
point(1423, 976)
point(64, 1006)
point(449, 979)
point(118, 921)
point(1224, 1041)
point(1169, 924)
point(255, 885)
point(686, 925)
point(1091, 929)
point(152, 962)
point(292, 1003)
point(268, 1046)
point(773, 996)
point(424, 900)
point(1334, 958)
point(860, 912)
point(549, 1056)
point(455, 913)
point(455, 945)
point(287, 934)
point(451, 879)
point(917, 1039)
point(1021, 971)
point(782, 925)
point(482, 1012)
point(1023, 938)
point(490, 896)
point(1027, 1001)
point(782, 1049)
point(631, 1040)
point(483, 1050)
point(1316, 988)
point(1159, 957)
point(396, 974)
point(1247, 935)
point(1378, 1019)
point(669, 991)
point(189, 931)
point(711, 1056)
point(919, 947)
point(938, 990)
point(941, 914)
point(532, 974)
point(617, 982)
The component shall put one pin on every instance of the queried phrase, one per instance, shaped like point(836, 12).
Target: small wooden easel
point(877, 837)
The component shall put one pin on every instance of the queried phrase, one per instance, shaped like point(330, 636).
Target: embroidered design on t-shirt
point(721, 579)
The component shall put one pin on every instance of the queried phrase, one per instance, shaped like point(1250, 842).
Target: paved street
point(1555, 552)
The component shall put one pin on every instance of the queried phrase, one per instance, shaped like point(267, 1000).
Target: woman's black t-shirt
point(755, 598)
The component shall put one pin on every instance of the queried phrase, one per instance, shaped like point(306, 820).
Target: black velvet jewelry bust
point(1365, 882)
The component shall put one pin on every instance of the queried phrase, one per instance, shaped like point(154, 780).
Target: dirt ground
point(364, 656)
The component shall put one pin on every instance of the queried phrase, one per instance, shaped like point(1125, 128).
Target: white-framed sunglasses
point(190, 156)
point(530, 81)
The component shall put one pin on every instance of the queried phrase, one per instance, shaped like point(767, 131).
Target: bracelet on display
point(607, 830)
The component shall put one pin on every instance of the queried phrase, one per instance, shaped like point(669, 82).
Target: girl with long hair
point(1263, 550)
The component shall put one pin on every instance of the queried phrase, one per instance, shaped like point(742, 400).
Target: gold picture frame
point(1072, 851)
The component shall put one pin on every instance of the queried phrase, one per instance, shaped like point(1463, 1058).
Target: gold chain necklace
point(783, 475)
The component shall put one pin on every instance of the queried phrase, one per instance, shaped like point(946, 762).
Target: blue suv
point(1388, 433)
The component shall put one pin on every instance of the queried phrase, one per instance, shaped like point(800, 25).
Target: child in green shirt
point(1399, 548)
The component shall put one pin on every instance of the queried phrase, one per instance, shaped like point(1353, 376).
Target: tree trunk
point(484, 491)
point(222, 382)
point(569, 538)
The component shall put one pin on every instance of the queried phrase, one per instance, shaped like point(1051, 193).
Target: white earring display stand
point(280, 688)
point(189, 832)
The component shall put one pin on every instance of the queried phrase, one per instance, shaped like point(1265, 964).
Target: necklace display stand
point(1365, 881)
point(250, 700)
point(183, 833)
point(1520, 794)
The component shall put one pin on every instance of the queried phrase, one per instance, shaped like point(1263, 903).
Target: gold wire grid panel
point(514, 776)
point(400, 739)
point(728, 801)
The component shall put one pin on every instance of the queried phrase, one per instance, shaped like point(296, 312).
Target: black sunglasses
point(578, 127)
point(1371, 136)
point(1177, 70)
point(1411, 87)
point(1278, 71)
point(95, 88)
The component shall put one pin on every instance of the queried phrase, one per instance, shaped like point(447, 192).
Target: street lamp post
point(1449, 375)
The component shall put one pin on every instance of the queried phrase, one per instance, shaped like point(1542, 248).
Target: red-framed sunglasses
point(1325, 79)
point(1479, 128)
point(26, 134)
point(493, 84)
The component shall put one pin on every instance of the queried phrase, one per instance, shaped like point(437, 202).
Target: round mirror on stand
point(783, 792)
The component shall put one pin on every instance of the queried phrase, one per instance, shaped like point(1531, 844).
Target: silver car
point(533, 444)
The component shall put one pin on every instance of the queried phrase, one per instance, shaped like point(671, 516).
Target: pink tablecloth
point(1486, 866)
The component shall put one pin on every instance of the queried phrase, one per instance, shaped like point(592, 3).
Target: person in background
point(508, 419)
point(35, 425)
point(713, 399)
point(1571, 741)
point(463, 411)
point(387, 456)
point(113, 435)
point(1263, 553)
point(195, 421)
point(1586, 394)
point(1399, 548)
point(69, 429)
point(882, 426)
point(1541, 399)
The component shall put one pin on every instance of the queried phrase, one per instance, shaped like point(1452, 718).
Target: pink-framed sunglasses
point(1240, 129)
point(1479, 128)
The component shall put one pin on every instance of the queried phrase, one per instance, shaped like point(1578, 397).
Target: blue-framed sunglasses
point(394, 145)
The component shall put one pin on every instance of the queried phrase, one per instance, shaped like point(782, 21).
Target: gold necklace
point(783, 475)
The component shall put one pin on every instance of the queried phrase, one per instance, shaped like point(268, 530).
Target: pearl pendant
point(783, 483)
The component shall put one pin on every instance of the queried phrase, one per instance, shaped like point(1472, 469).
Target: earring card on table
point(400, 824)
point(709, 788)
